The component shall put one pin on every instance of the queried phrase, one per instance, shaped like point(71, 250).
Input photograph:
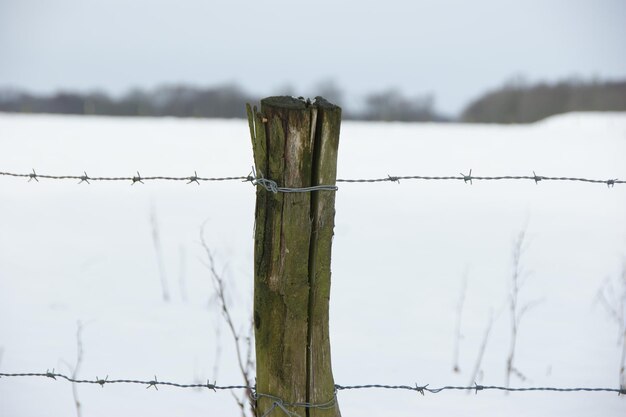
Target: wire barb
point(33, 176)
point(420, 389)
point(102, 381)
point(477, 388)
point(137, 178)
point(211, 386)
point(153, 383)
point(467, 178)
point(194, 178)
point(84, 178)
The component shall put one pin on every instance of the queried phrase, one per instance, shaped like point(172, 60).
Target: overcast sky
point(455, 49)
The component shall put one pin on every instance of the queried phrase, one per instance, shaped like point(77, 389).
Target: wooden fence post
point(295, 144)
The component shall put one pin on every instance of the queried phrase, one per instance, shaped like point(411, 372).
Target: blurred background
point(487, 61)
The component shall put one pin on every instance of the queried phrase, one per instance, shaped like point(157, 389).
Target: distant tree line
point(221, 101)
point(178, 101)
point(515, 102)
point(518, 102)
point(391, 105)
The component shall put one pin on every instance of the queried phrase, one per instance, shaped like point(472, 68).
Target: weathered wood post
point(295, 144)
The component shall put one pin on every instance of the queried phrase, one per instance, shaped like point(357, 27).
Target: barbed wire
point(103, 381)
point(278, 404)
point(133, 179)
point(469, 178)
point(422, 389)
point(273, 187)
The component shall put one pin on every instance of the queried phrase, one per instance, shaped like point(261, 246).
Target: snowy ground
point(83, 252)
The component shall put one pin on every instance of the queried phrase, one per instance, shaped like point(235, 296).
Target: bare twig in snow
point(218, 350)
point(513, 299)
point(250, 348)
point(481, 350)
point(614, 302)
point(76, 368)
point(244, 361)
point(159, 253)
point(516, 312)
point(608, 305)
point(182, 272)
point(459, 315)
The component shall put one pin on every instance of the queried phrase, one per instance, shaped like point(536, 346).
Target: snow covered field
point(83, 252)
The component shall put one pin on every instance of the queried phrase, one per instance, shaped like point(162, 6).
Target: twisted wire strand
point(138, 178)
point(476, 388)
point(479, 178)
point(328, 404)
point(272, 186)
